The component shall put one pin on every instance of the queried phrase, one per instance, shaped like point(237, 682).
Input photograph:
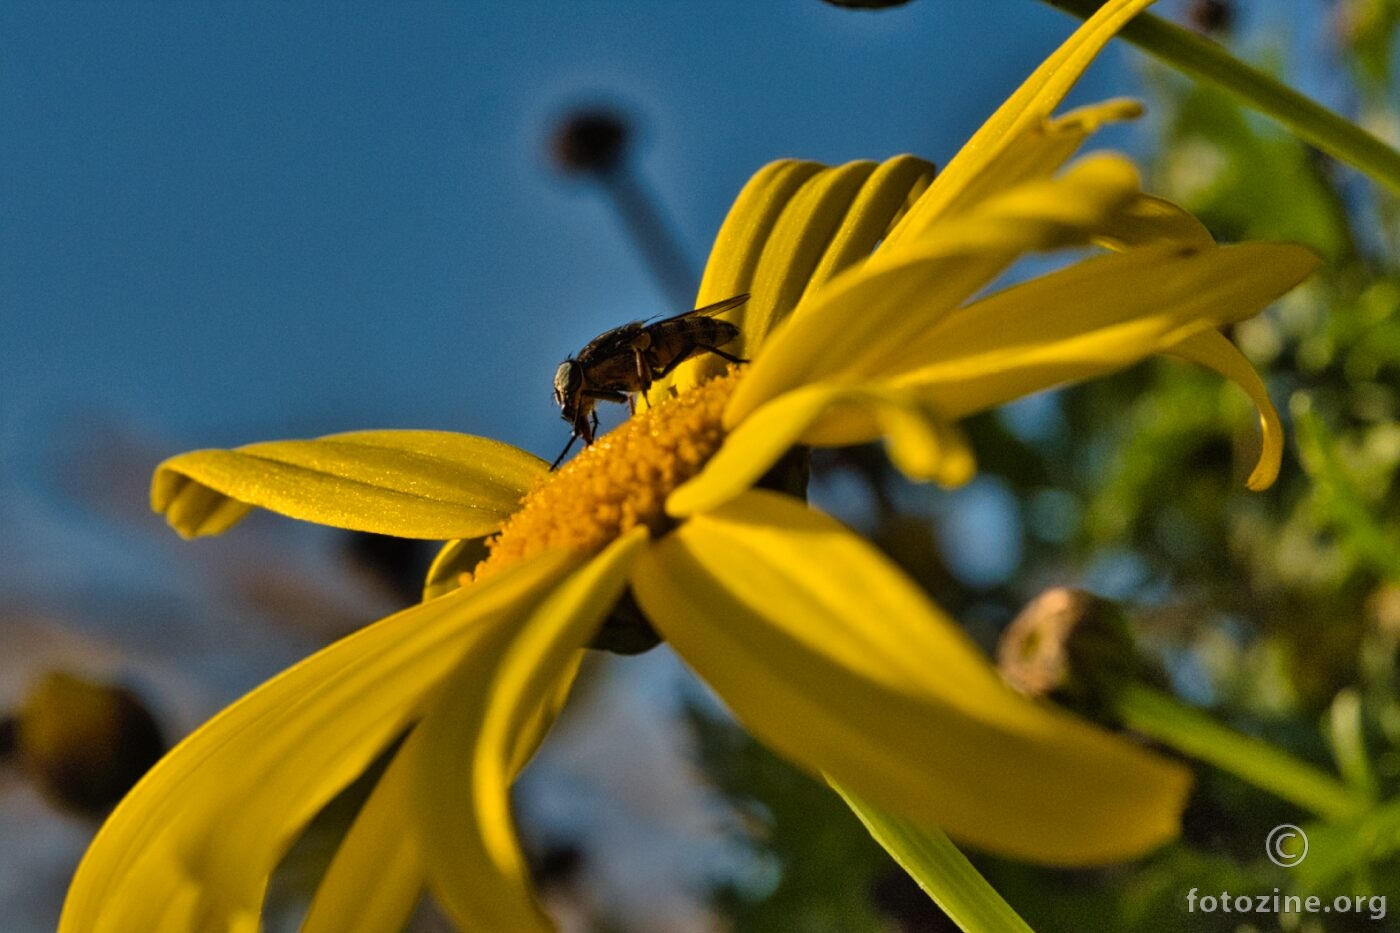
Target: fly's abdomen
point(673, 342)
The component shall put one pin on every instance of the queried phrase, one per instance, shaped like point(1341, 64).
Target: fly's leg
point(689, 354)
point(565, 452)
point(604, 395)
point(585, 423)
point(723, 355)
point(581, 429)
point(643, 379)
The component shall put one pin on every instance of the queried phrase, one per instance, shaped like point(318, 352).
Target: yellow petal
point(797, 244)
point(850, 329)
point(1149, 221)
point(889, 191)
point(923, 444)
point(1035, 155)
point(377, 875)
point(734, 259)
point(469, 749)
point(191, 847)
point(453, 559)
point(411, 484)
point(738, 246)
point(1211, 349)
point(794, 226)
point(1022, 113)
point(1089, 319)
point(1152, 220)
point(830, 655)
point(751, 449)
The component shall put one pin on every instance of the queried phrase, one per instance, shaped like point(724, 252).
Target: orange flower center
point(620, 481)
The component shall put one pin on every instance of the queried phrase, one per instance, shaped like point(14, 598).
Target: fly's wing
point(609, 362)
point(719, 307)
point(609, 344)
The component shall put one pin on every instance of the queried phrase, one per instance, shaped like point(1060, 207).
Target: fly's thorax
point(614, 373)
point(621, 481)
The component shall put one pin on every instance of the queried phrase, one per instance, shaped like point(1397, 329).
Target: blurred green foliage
point(823, 866)
point(1278, 612)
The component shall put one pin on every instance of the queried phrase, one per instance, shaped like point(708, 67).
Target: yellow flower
point(865, 322)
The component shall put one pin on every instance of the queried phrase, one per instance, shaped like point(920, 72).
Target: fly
point(626, 360)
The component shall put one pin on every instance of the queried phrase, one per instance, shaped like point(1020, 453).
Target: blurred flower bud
point(867, 4)
point(8, 730)
point(1383, 611)
point(1069, 643)
point(1212, 17)
point(591, 142)
point(85, 743)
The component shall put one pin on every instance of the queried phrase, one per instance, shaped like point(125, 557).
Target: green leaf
point(942, 871)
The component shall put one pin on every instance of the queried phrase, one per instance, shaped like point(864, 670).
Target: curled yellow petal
point(738, 246)
point(797, 244)
point(411, 484)
point(922, 443)
point(734, 260)
point(1090, 319)
point(1149, 220)
point(888, 191)
point(1023, 112)
point(191, 848)
point(1211, 349)
point(848, 332)
point(470, 747)
point(794, 226)
point(453, 559)
point(1037, 154)
point(849, 670)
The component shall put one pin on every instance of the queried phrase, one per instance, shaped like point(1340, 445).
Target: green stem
point(1349, 742)
point(1168, 720)
point(941, 870)
point(1308, 120)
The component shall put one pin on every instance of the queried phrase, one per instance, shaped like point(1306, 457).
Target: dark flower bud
point(1069, 643)
point(1212, 17)
point(9, 729)
point(867, 4)
point(85, 743)
point(591, 142)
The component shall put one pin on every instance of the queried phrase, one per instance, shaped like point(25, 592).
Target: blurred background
point(238, 222)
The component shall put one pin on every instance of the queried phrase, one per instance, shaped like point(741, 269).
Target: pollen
point(620, 481)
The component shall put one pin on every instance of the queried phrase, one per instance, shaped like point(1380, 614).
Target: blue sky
point(234, 222)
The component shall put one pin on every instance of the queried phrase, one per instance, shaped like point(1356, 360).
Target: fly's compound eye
point(568, 380)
